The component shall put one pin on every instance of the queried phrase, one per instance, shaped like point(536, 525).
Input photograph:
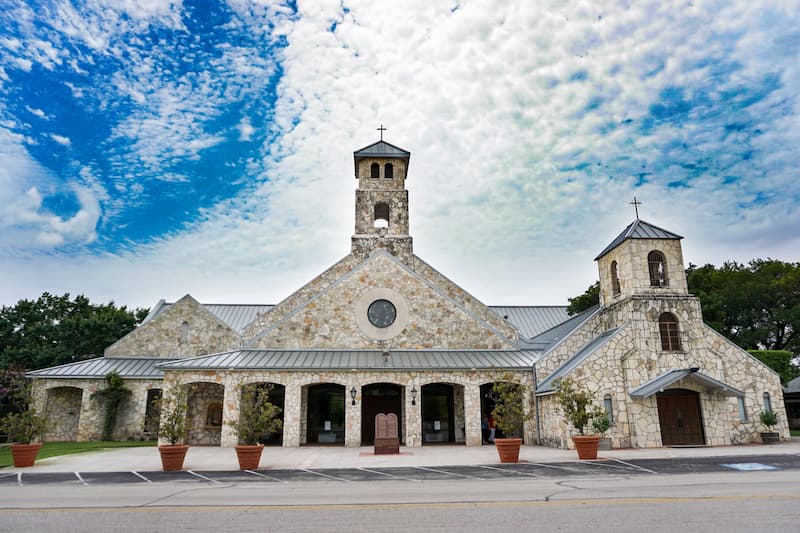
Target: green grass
point(795, 432)
point(52, 449)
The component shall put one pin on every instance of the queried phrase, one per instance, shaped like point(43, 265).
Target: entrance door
point(325, 421)
point(679, 417)
point(438, 422)
point(378, 398)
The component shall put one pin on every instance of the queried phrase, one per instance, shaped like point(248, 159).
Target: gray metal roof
point(668, 378)
point(381, 149)
point(639, 229)
point(549, 384)
point(534, 319)
point(236, 316)
point(356, 359)
point(547, 339)
point(792, 386)
point(127, 367)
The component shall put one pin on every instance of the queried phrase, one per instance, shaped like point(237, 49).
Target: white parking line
point(259, 474)
point(77, 475)
point(326, 475)
point(446, 472)
point(137, 474)
point(505, 470)
point(637, 466)
point(204, 477)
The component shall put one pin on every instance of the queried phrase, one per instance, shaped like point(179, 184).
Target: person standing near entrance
point(492, 429)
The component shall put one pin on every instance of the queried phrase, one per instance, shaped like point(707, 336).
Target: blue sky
point(155, 148)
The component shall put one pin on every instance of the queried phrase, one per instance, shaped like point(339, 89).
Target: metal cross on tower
point(381, 129)
point(636, 203)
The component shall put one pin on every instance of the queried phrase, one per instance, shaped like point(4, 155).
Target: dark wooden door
point(679, 417)
point(378, 398)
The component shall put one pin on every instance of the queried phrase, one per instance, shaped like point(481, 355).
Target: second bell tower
point(382, 201)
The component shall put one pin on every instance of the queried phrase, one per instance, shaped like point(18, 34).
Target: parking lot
point(522, 470)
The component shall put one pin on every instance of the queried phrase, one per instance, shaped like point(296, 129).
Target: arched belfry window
point(657, 264)
point(375, 170)
point(614, 278)
point(381, 219)
point(388, 171)
point(670, 336)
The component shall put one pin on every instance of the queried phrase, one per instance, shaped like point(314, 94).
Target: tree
point(588, 299)
point(53, 330)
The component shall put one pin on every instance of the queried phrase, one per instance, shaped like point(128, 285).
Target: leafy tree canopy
point(586, 300)
point(54, 330)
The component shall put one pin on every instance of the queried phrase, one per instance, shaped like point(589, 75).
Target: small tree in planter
point(579, 410)
point(173, 426)
point(112, 397)
point(258, 419)
point(23, 424)
point(770, 420)
point(509, 415)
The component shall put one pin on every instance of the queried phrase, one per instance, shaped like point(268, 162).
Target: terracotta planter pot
point(249, 456)
point(508, 449)
point(586, 446)
point(25, 454)
point(172, 456)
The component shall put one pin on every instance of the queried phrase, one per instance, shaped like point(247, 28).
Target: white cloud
point(60, 139)
point(38, 112)
point(246, 129)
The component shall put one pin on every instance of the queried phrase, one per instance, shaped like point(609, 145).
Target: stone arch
point(323, 412)
point(63, 413)
point(277, 397)
point(202, 395)
point(381, 397)
point(374, 170)
point(381, 215)
point(657, 269)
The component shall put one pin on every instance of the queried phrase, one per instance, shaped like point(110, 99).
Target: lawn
point(51, 449)
point(795, 432)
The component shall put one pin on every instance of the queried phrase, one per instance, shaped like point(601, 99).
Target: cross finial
point(381, 129)
point(636, 203)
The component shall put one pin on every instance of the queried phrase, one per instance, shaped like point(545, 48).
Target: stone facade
point(186, 329)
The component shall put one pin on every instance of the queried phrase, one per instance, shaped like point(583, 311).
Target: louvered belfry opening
point(657, 265)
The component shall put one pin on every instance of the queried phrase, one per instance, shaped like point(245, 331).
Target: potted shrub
point(601, 424)
point(172, 429)
point(509, 417)
point(258, 419)
point(23, 425)
point(770, 420)
point(578, 409)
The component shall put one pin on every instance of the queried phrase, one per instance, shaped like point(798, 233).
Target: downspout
point(536, 407)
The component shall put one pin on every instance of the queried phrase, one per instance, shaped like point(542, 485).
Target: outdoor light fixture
point(353, 393)
point(413, 395)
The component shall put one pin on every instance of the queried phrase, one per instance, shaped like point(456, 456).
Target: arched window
point(375, 170)
point(614, 278)
point(608, 406)
point(214, 415)
point(670, 337)
point(742, 409)
point(657, 264)
point(184, 332)
point(767, 402)
point(388, 171)
point(381, 219)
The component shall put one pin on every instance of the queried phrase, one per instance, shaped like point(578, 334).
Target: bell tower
point(381, 218)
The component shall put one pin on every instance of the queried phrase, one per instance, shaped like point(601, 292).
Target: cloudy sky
point(152, 148)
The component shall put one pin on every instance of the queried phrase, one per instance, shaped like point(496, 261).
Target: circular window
point(381, 313)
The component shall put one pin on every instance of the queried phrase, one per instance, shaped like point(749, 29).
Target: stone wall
point(50, 398)
point(201, 430)
point(467, 401)
point(331, 319)
point(185, 329)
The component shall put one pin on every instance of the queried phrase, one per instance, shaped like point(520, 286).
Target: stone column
point(89, 418)
point(230, 411)
point(352, 417)
point(413, 415)
point(472, 414)
point(292, 414)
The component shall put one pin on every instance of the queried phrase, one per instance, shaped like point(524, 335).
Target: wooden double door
point(680, 418)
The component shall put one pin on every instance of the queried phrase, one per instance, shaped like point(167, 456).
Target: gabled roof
point(126, 367)
point(236, 316)
point(668, 378)
point(532, 320)
point(793, 386)
point(356, 359)
point(381, 149)
point(549, 384)
point(639, 229)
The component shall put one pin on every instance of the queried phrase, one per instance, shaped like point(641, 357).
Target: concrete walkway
point(213, 458)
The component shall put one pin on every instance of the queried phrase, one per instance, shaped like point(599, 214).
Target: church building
point(382, 331)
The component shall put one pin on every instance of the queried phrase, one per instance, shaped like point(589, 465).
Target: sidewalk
point(202, 458)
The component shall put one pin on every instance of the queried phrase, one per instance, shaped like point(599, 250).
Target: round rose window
point(381, 313)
